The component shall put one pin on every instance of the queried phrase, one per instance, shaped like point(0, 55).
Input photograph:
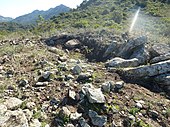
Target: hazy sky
point(14, 8)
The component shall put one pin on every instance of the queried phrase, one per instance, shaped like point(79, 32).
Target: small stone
point(139, 105)
point(41, 84)
point(13, 102)
point(84, 77)
point(3, 109)
point(77, 70)
point(119, 85)
point(28, 114)
point(64, 112)
point(153, 114)
point(83, 123)
point(35, 123)
point(20, 119)
point(113, 124)
point(22, 83)
point(94, 95)
point(70, 125)
point(97, 120)
point(71, 94)
point(30, 105)
point(106, 87)
point(68, 77)
point(75, 116)
point(131, 117)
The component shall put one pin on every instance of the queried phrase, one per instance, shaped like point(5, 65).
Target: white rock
point(13, 102)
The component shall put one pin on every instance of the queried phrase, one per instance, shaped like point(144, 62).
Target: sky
point(14, 8)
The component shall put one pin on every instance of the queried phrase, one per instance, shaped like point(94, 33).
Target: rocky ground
point(44, 86)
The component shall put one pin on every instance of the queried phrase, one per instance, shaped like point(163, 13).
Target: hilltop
point(31, 18)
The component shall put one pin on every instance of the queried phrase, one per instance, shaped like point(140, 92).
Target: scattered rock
point(139, 105)
point(41, 84)
point(13, 103)
point(142, 54)
point(71, 94)
point(154, 114)
point(22, 83)
point(106, 87)
point(75, 116)
point(15, 118)
point(160, 58)
point(74, 43)
point(159, 49)
point(64, 112)
point(148, 70)
point(127, 49)
point(112, 49)
point(97, 120)
point(120, 62)
point(35, 123)
point(94, 95)
point(77, 70)
point(30, 105)
point(83, 123)
point(84, 77)
point(70, 125)
point(3, 109)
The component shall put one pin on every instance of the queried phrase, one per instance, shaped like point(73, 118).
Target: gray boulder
point(77, 69)
point(13, 103)
point(74, 43)
point(94, 95)
point(160, 58)
point(118, 62)
point(163, 80)
point(15, 118)
point(159, 49)
point(112, 49)
point(142, 54)
point(148, 70)
point(127, 49)
point(97, 120)
point(83, 123)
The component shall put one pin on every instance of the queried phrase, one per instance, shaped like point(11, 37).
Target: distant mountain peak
point(5, 19)
point(32, 17)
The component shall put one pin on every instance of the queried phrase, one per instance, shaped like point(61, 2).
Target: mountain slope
point(31, 18)
point(5, 19)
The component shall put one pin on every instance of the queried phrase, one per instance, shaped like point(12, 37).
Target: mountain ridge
point(32, 17)
point(5, 19)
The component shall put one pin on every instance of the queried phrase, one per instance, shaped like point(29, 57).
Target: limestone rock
point(106, 87)
point(159, 49)
point(3, 109)
point(160, 58)
point(148, 70)
point(83, 123)
point(142, 54)
point(13, 102)
point(18, 119)
point(127, 49)
point(97, 120)
point(94, 95)
point(35, 123)
point(118, 62)
point(77, 69)
point(64, 112)
point(74, 43)
point(75, 116)
point(163, 79)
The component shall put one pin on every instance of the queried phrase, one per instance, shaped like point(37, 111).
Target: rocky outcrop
point(148, 70)
point(160, 58)
point(122, 63)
